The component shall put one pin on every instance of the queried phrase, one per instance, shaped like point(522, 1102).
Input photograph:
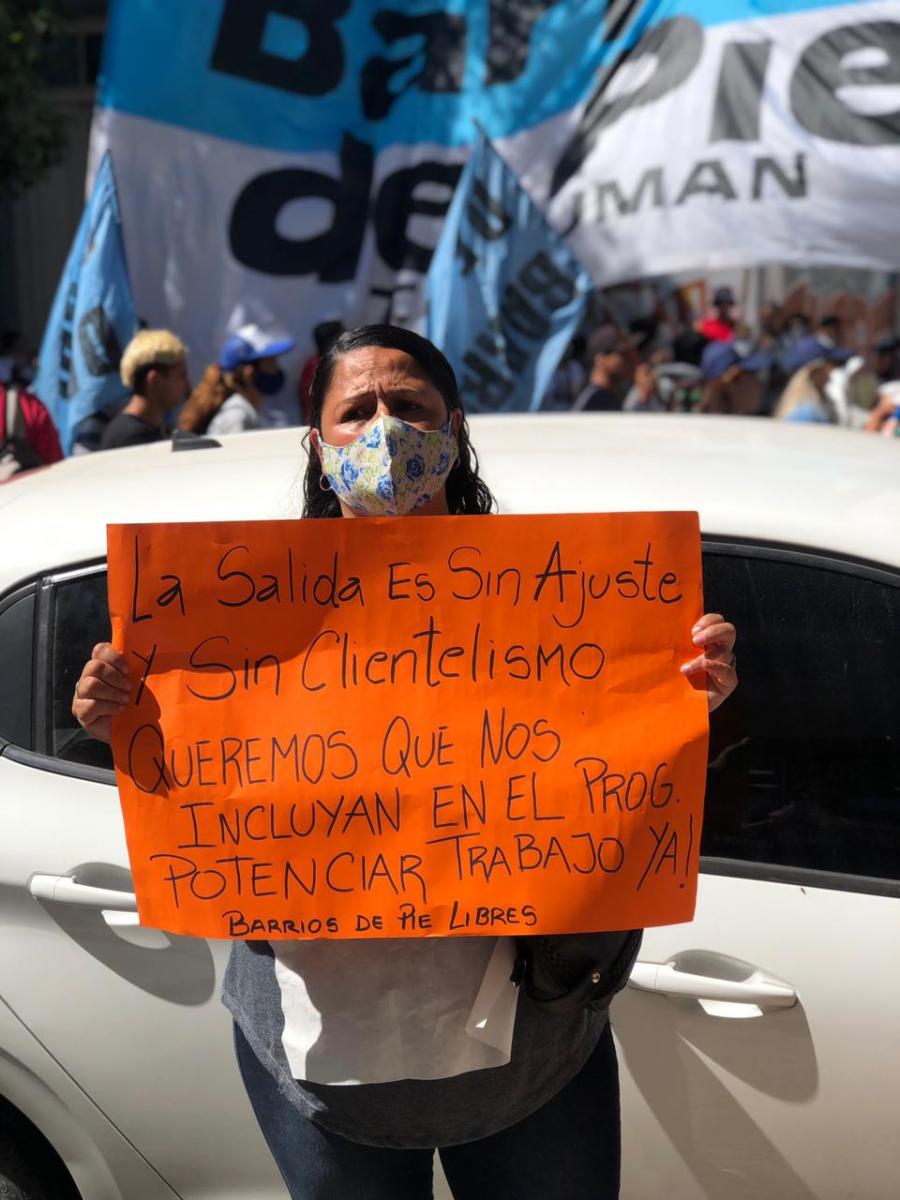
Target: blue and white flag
point(505, 293)
point(92, 319)
point(311, 149)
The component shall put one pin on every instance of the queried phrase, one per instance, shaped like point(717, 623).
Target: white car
point(758, 1044)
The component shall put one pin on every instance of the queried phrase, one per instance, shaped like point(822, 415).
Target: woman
point(341, 1118)
point(224, 402)
point(231, 395)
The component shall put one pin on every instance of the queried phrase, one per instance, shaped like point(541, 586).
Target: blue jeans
point(568, 1148)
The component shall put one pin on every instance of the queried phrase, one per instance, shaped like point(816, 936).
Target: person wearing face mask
point(249, 373)
point(354, 1080)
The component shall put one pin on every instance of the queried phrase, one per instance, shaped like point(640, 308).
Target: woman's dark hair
point(466, 492)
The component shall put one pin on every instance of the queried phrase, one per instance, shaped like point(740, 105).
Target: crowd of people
point(231, 397)
point(787, 368)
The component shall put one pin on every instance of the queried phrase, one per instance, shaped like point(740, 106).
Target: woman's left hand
point(716, 638)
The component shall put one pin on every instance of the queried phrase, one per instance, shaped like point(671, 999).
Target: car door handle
point(63, 889)
point(758, 988)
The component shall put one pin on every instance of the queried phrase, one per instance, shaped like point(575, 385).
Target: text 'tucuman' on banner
point(446, 726)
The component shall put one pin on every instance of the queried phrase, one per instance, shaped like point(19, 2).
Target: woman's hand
point(716, 638)
point(102, 691)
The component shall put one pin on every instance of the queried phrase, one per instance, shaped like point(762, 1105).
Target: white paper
point(387, 1009)
point(493, 1015)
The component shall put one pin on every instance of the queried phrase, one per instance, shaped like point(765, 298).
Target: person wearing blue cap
point(249, 372)
point(731, 381)
point(809, 363)
point(811, 349)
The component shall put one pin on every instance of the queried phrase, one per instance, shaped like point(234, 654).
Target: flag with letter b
point(505, 292)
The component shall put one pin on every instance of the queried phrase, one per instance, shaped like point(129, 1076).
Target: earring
point(324, 483)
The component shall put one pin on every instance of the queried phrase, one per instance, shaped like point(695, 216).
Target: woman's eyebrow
point(368, 393)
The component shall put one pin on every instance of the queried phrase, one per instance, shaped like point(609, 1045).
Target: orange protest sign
point(382, 727)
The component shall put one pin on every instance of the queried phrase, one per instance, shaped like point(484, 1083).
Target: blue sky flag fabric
point(92, 319)
point(505, 294)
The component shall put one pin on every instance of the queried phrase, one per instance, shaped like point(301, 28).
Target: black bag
point(16, 451)
point(567, 971)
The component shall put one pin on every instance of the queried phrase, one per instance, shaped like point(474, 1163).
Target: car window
point(78, 619)
point(17, 615)
point(804, 764)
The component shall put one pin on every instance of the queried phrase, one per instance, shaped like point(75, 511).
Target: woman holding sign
point(361, 1057)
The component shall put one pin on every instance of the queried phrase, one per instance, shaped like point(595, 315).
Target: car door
point(761, 1057)
point(132, 1014)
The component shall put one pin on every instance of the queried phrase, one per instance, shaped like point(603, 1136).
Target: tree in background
point(32, 133)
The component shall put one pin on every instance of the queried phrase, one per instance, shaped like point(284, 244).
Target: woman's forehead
point(375, 366)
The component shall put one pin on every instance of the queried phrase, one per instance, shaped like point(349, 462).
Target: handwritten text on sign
point(441, 725)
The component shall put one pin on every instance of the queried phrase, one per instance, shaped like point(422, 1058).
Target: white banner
point(767, 140)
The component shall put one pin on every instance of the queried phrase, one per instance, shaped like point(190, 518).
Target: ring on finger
point(731, 663)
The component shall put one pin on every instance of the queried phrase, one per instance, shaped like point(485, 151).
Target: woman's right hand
point(102, 691)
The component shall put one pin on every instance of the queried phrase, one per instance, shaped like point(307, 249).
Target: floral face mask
point(391, 469)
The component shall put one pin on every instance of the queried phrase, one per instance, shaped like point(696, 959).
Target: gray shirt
point(547, 1051)
point(236, 415)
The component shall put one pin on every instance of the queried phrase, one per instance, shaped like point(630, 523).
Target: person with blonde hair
point(154, 368)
